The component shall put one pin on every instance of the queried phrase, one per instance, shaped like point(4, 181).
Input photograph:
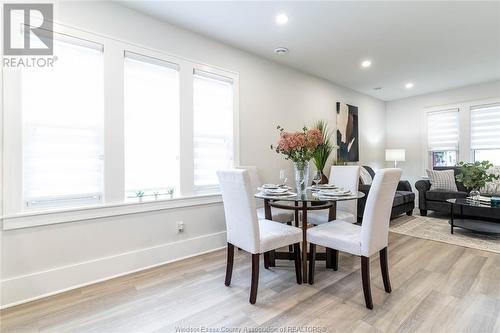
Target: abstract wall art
point(347, 133)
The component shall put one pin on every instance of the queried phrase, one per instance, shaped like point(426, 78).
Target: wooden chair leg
point(255, 278)
point(328, 258)
point(365, 276)
point(290, 247)
point(384, 267)
point(298, 270)
point(312, 262)
point(335, 259)
point(272, 258)
point(229, 265)
point(266, 260)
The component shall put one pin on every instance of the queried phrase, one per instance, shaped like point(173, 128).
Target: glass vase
point(475, 194)
point(301, 176)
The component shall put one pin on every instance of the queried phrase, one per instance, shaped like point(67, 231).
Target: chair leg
point(266, 260)
point(365, 276)
point(384, 267)
point(332, 259)
point(328, 258)
point(335, 259)
point(272, 258)
point(312, 262)
point(298, 270)
point(290, 247)
point(255, 278)
point(229, 265)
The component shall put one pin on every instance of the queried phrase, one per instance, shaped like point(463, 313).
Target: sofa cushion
point(407, 196)
point(442, 180)
point(442, 195)
point(456, 171)
point(398, 199)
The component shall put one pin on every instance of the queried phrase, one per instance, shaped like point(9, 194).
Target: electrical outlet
point(180, 226)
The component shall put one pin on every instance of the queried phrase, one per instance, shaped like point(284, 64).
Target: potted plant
point(170, 192)
point(322, 153)
point(474, 176)
point(299, 147)
point(139, 195)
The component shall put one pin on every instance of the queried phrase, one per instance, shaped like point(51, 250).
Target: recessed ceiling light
point(281, 19)
point(281, 50)
point(366, 63)
point(409, 85)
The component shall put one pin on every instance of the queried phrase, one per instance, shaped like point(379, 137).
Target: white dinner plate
point(270, 186)
point(285, 194)
point(324, 187)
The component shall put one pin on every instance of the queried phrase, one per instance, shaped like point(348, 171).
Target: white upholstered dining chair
point(278, 214)
point(246, 231)
point(346, 176)
point(365, 240)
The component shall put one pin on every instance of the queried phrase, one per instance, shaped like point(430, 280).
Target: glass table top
point(309, 196)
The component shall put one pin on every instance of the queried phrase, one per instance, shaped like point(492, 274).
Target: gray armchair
point(404, 199)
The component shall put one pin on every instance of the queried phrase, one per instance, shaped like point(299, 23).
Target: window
point(213, 108)
point(106, 123)
point(442, 136)
point(62, 124)
point(151, 91)
point(485, 133)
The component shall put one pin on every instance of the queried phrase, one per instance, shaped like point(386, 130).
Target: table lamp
point(396, 155)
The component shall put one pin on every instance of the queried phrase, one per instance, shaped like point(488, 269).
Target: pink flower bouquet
point(298, 147)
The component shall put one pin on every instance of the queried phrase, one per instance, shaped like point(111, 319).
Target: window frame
point(80, 199)
point(465, 153)
point(114, 202)
point(201, 189)
point(475, 106)
point(428, 163)
point(160, 61)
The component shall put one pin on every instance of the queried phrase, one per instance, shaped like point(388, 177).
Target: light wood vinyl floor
point(436, 287)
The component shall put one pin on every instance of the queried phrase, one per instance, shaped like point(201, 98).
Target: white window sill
point(46, 217)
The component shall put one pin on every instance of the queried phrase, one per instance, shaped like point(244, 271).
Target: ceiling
point(435, 45)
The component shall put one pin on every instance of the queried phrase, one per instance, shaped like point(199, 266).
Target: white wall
point(43, 260)
point(405, 125)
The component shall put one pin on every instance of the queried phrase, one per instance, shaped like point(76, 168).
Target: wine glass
point(283, 177)
point(317, 178)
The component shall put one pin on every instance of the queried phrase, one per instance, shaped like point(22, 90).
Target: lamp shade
point(396, 155)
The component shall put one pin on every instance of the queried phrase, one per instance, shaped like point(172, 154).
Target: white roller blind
point(63, 119)
point(213, 126)
point(485, 126)
point(151, 88)
point(442, 130)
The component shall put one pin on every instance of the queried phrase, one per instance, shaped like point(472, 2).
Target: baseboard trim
point(30, 287)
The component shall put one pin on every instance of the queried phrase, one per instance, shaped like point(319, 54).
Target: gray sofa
point(404, 199)
point(435, 200)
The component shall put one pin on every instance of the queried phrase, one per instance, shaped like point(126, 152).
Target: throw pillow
point(442, 180)
point(366, 178)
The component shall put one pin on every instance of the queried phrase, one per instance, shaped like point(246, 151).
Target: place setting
point(275, 190)
point(329, 193)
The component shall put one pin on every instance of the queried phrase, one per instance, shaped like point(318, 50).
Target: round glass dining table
point(309, 200)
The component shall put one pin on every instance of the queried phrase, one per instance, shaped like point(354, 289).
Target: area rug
point(438, 229)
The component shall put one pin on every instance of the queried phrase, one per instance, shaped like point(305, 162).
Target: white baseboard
point(26, 288)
